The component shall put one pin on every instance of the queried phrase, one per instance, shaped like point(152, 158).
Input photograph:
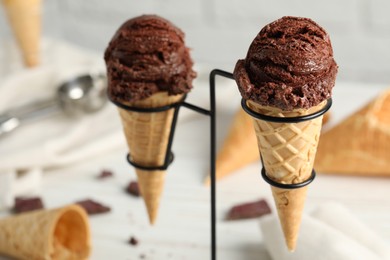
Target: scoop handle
point(15, 117)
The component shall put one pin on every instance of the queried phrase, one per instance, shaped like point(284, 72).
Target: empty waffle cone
point(147, 136)
point(363, 142)
point(24, 17)
point(288, 151)
point(61, 233)
point(239, 147)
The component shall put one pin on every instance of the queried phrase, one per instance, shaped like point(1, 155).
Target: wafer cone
point(240, 146)
point(147, 136)
point(288, 151)
point(24, 16)
point(61, 233)
point(363, 142)
point(238, 149)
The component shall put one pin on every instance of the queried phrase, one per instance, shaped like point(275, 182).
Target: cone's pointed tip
point(31, 59)
point(151, 187)
point(291, 245)
point(31, 64)
point(291, 250)
point(152, 214)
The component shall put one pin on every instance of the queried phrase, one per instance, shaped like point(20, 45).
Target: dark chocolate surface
point(146, 55)
point(289, 65)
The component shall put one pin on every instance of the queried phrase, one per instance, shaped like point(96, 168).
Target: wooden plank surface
point(182, 230)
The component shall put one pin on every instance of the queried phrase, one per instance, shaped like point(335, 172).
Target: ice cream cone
point(238, 149)
point(147, 136)
point(240, 146)
point(363, 141)
point(24, 17)
point(288, 151)
point(61, 233)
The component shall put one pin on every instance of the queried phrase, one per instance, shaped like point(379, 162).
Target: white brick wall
point(220, 31)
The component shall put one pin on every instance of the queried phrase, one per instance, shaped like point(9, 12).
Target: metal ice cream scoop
point(81, 95)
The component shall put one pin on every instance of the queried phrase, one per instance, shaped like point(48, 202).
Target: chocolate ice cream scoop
point(289, 65)
point(147, 55)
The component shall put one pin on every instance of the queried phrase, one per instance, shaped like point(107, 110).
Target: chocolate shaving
point(93, 207)
point(133, 189)
point(105, 174)
point(133, 241)
point(27, 204)
point(248, 210)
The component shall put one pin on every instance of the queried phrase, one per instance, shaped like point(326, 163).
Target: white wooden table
point(182, 230)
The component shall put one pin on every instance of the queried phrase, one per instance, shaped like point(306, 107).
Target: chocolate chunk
point(248, 210)
point(133, 189)
point(105, 174)
point(93, 207)
point(27, 204)
point(133, 241)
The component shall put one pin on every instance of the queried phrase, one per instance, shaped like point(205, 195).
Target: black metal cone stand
point(169, 155)
point(212, 113)
point(213, 196)
point(263, 171)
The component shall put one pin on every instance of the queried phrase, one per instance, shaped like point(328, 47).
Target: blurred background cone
point(147, 136)
point(61, 233)
point(363, 142)
point(239, 147)
point(288, 151)
point(24, 17)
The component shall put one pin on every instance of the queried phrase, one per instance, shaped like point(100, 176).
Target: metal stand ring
point(296, 119)
point(150, 168)
point(287, 186)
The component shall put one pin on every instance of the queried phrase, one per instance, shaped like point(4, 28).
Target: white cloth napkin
point(57, 140)
point(330, 232)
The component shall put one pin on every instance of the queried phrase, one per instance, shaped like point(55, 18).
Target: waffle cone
point(239, 147)
point(363, 141)
point(288, 151)
point(61, 233)
point(147, 136)
point(24, 17)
